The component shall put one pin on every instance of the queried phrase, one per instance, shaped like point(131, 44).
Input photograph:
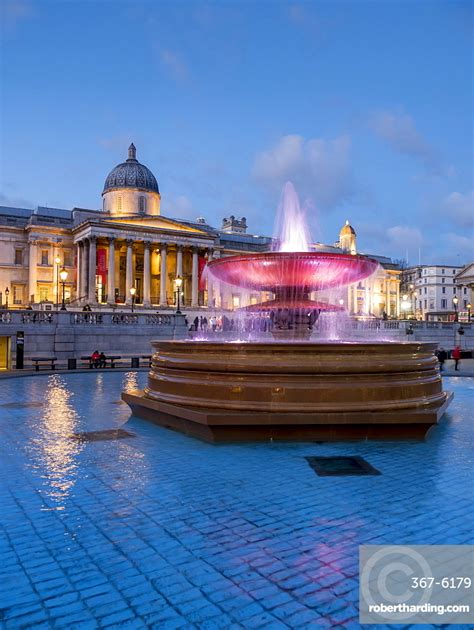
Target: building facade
point(436, 292)
point(129, 254)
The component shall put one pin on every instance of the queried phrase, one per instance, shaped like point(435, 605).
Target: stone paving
point(162, 531)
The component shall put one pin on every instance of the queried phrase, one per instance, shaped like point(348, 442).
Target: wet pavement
point(146, 528)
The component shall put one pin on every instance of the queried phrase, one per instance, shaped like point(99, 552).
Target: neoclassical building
point(130, 245)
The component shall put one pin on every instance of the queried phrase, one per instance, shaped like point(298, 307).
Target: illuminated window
point(235, 300)
point(18, 256)
point(119, 203)
point(67, 260)
point(17, 293)
point(44, 257)
point(142, 205)
point(43, 294)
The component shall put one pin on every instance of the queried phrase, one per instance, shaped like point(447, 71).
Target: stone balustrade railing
point(41, 318)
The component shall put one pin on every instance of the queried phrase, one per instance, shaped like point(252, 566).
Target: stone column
point(163, 251)
point(397, 287)
point(195, 279)
point(32, 274)
point(179, 260)
point(92, 270)
point(84, 273)
point(78, 269)
point(387, 302)
point(146, 274)
point(111, 272)
point(129, 272)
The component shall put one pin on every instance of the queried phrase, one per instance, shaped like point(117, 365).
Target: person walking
point(456, 355)
point(442, 356)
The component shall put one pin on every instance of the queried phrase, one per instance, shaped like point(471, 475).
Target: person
point(196, 323)
point(102, 360)
point(95, 359)
point(456, 355)
point(442, 356)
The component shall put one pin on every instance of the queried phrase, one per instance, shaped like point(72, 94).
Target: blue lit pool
point(160, 530)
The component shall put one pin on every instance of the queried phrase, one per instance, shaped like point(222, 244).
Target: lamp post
point(469, 306)
point(7, 293)
point(57, 260)
point(341, 302)
point(178, 282)
point(132, 293)
point(455, 303)
point(63, 275)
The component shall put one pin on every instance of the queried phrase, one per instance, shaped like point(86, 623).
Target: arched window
point(119, 203)
point(142, 204)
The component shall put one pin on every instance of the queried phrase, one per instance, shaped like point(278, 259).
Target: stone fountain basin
point(300, 391)
point(292, 272)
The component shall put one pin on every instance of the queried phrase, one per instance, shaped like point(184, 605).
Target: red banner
point(102, 264)
point(201, 275)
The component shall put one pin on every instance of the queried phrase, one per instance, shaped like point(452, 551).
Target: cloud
point(16, 202)
point(400, 133)
point(175, 65)
point(460, 245)
point(180, 206)
point(14, 11)
point(320, 169)
point(459, 208)
point(404, 237)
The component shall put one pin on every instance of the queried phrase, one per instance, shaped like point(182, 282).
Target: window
point(454, 270)
point(43, 294)
point(465, 290)
point(444, 290)
point(17, 293)
point(465, 303)
point(454, 290)
point(442, 280)
point(18, 256)
point(426, 303)
point(119, 203)
point(44, 257)
point(442, 270)
point(235, 300)
point(67, 258)
point(142, 204)
point(425, 290)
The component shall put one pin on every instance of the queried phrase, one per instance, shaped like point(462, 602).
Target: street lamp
point(57, 260)
point(63, 276)
point(405, 304)
point(469, 306)
point(132, 293)
point(7, 293)
point(178, 283)
point(455, 302)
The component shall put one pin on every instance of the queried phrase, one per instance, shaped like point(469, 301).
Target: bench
point(112, 359)
point(38, 360)
point(148, 357)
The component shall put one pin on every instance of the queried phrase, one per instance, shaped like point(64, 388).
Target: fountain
point(293, 388)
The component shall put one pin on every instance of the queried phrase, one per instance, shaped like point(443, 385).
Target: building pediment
point(157, 223)
point(466, 275)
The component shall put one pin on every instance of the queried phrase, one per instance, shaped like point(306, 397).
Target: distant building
point(130, 245)
point(431, 289)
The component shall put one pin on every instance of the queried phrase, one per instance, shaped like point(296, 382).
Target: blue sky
point(366, 106)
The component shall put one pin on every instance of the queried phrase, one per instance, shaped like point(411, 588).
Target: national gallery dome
point(131, 174)
point(131, 188)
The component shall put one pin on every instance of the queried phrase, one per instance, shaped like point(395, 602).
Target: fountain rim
point(311, 254)
point(307, 345)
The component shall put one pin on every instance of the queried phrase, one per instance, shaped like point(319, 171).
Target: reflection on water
point(53, 451)
point(130, 381)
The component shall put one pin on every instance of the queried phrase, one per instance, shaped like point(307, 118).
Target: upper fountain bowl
point(306, 271)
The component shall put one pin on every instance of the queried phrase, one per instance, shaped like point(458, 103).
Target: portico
point(113, 257)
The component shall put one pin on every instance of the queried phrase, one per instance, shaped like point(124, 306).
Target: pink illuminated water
point(292, 230)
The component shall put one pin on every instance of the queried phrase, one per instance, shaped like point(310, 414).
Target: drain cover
point(106, 434)
point(341, 466)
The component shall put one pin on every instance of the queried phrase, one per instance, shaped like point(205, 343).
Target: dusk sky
point(366, 106)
